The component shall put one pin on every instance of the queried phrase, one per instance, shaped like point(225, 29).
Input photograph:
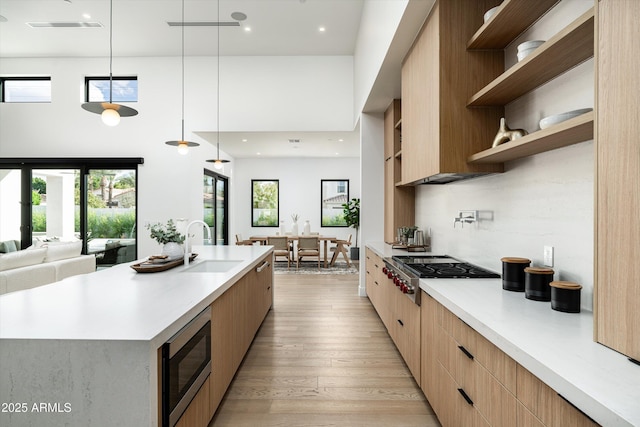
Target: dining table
point(325, 239)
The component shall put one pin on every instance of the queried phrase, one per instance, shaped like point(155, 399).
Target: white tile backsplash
point(541, 200)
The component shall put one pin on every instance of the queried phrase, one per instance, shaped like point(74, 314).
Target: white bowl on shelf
point(558, 118)
point(489, 13)
point(525, 49)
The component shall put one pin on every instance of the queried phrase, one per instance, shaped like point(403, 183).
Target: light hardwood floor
point(323, 358)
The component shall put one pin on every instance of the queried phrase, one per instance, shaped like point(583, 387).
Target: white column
point(371, 187)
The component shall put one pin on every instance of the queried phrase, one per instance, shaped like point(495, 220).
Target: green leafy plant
point(165, 233)
point(351, 211)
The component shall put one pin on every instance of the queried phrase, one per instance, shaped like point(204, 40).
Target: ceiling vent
point(294, 141)
point(64, 24)
point(203, 24)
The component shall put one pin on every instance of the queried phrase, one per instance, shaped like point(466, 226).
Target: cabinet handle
point(263, 266)
point(466, 396)
point(466, 352)
point(400, 321)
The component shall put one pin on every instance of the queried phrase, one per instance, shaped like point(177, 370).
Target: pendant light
point(218, 162)
point(183, 146)
point(109, 111)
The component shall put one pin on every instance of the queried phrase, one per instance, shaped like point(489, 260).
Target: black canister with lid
point(565, 296)
point(513, 273)
point(537, 283)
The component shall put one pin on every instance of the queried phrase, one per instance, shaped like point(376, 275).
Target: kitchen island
point(84, 351)
point(557, 348)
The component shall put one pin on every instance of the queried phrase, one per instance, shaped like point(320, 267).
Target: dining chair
point(240, 241)
point(308, 247)
point(281, 246)
point(340, 248)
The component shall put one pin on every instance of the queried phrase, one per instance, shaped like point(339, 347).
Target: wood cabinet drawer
point(484, 352)
point(456, 407)
point(546, 404)
point(406, 331)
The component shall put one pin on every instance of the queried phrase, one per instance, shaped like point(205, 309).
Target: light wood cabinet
point(568, 48)
point(546, 404)
point(400, 315)
point(617, 294)
point(476, 369)
point(235, 318)
point(439, 75)
point(399, 201)
point(198, 412)
point(469, 381)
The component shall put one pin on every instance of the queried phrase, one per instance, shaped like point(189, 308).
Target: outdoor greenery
point(35, 198)
point(120, 225)
point(264, 203)
point(351, 211)
point(333, 221)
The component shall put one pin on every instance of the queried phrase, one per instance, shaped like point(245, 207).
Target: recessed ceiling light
point(86, 16)
point(244, 140)
point(341, 140)
point(239, 16)
point(322, 29)
point(258, 153)
point(247, 29)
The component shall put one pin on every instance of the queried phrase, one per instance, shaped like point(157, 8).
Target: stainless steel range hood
point(446, 178)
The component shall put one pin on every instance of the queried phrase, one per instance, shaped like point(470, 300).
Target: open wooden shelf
point(513, 17)
point(571, 46)
point(569, 132)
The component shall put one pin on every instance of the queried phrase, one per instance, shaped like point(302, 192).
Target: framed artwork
point(265, 202)
point(333, 193)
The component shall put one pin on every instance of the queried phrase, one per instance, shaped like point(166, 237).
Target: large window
point(216, 206)
point(264, 202)
point(25, 89)
point(93, 200)
point(125, 89)
point(334, 193)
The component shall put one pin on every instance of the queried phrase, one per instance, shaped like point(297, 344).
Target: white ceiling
point(278, 27)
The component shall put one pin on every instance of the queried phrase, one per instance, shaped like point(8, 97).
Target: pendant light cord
point(111, 52)
point(182, 70)
point(218, 82)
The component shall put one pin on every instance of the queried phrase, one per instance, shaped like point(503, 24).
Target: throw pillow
point(22, 258)
point(63, 250)
point(8, 246)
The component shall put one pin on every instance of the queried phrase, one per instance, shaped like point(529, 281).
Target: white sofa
point(33, 267)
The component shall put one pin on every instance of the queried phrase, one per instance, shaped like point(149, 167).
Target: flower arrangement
point(295, 217)
point(165, 233)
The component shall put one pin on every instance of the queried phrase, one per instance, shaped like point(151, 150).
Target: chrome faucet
point(186, 239)
point(467, 217)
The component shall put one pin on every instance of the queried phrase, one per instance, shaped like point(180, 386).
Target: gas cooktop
point(442, 266)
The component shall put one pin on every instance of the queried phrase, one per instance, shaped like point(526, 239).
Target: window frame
point(4, 79)
point(89, 79)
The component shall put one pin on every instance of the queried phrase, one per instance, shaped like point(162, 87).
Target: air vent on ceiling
point(203, 24)
point(64, 24)
point(294, 141)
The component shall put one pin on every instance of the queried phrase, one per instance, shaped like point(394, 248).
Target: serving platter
point(154, 267)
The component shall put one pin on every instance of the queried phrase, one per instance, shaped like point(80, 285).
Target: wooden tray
point(148, 267)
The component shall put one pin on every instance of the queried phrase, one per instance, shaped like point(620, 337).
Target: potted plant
point(169, 237)
point(351, 211)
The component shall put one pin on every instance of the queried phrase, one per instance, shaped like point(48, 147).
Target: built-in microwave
point(186, 363)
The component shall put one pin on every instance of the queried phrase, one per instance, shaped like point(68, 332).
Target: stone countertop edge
point(119, 304)
point(556, 347)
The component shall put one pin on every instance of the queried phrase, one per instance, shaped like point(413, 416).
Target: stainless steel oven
point(186, 363)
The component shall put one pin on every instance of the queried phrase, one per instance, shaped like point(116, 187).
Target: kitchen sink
point(212, 266)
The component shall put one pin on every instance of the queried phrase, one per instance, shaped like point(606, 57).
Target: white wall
point(541, 200)
point(260, 93)
point(299, 187)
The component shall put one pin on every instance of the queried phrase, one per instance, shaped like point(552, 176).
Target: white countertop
point(556, 347)
point(121, 304)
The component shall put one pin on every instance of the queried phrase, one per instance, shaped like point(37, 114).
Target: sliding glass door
point(10, 207)
point(111, 215)
point(216, 206)
point(93, 200)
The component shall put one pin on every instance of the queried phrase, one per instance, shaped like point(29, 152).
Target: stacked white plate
point(525, 49)
point(489, 13)
point(557, 118)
